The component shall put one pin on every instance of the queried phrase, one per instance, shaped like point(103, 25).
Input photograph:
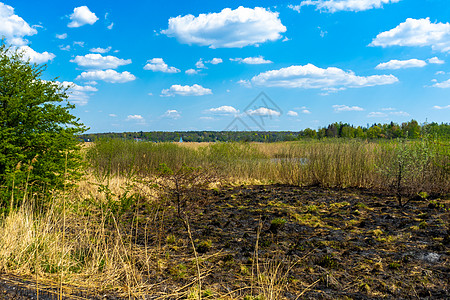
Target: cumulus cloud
point(110, 76)
point(295, 7)
point(227, 29)
point(263, 111)
point(442, 85)
point(101, 50)
point(305, 111)
point(418, 33)
point(200, 64)
point(252, 60)
point(78, 94)
point(401, 64)
point(172, 114)
point(138, 118)
point(223, 110)
point(441, 107)
point(64, 48)
point(13, 27)
point(97, 61)
point(292, 113)
point(341, 108)
point(158, 65)
point(82, 16)
point(311, 77)
point(215, 61)
point(36, 57)
point(333, 6)
point(61, 36)
point(191, 72)
point(185, 90)
point(79, 43)
point(435, 60)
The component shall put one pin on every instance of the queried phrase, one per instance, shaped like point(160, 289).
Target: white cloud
point(228, 29)
point(435, 60)
point(82, 16)
point(305, 111)
point(158, 65)
point(101, 50)
point(81, 44)
point(64, 48)
point(441, 107)
point(244, 83)
point(376, 114)
point(295, 7)
point(223, 110)
point(191, 72)
point(110, 26)
point(292, 113)
point(185, 90)
point(78, 94)
point(110, 76)
point(400, 113)
point(258, 60)
point(418, 33)
point(333, 6)
point(341, 108)
point(401, 64)
point(200, 64)
point(172, 114)
point(97, 61)
point(36, 57)
point(440, 73)
point(61, 36)
point(138, 118)
point(388, 109)
point(263, 111)
point(112, 115)
point(392, 112)
point(13, 27)
point(442, 85)
point(215, 61)
point(311, 77)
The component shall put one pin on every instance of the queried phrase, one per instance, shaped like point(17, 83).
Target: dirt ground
point(313, 243)
point(290, 242)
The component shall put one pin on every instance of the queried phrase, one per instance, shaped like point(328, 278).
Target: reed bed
point(110, 232)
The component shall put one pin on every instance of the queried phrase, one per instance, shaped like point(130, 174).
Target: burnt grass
point(314, 242)
point(296, 242)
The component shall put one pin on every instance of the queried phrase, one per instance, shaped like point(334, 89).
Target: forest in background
point(409, 130)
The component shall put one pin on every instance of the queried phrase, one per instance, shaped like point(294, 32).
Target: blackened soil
point(315, 243)
point(294, 242)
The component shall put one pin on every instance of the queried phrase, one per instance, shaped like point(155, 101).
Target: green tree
point(38, 140)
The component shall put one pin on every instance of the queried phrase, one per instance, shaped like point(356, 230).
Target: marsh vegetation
point(317, 219)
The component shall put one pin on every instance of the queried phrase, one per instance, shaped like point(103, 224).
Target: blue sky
point(199, 65)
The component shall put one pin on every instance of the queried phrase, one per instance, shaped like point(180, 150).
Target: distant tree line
point(408, 130)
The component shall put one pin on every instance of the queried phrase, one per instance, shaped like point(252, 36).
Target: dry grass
point(115, 234)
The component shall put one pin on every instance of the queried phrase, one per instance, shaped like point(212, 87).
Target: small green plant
point(395, 265)
point(327, 261)
point(204, 246)
point(277, 224)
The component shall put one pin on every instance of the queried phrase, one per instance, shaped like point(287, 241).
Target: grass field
point(329, 219)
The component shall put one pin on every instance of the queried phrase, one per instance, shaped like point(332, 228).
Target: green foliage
point(410, 130)
point(38, 133)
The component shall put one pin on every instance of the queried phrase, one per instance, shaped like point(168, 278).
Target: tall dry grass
point(115, 221)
